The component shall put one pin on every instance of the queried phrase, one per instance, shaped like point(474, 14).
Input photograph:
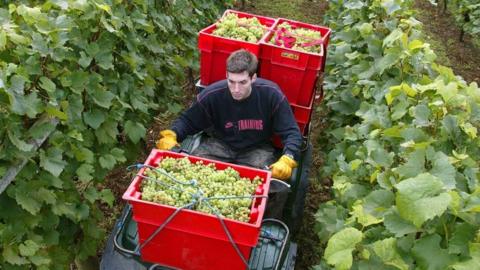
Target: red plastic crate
point(214, 50)
point(302, 116)
point(295, 72)
point(193, 240)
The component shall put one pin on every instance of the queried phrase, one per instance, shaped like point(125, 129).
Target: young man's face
point(240, 84)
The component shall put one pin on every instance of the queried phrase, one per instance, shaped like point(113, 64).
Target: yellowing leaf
point(389, 98)
point(447, 91)
point(415, 44)
point(355, 163)
point(364, 218)
point(459, 155)
point(52, 111)
point(411, 92)
point(340, 246)
point(470, 130)
point(105, 8)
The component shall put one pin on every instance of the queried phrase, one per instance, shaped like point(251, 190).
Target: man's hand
point(282, 169)
point(168, 140)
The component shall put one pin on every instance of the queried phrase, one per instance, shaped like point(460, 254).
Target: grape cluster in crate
point(178, 182)
point(246, 29)
point(297, 38)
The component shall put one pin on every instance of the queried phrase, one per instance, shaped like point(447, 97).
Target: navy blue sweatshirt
point(242, 124)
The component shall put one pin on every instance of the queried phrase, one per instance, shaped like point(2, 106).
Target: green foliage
point(402, 147)
point(467, 15)
point(103, 69)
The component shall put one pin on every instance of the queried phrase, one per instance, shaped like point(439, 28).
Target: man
point(244, 112)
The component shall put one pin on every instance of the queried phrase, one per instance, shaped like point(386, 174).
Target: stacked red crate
point(214, 50)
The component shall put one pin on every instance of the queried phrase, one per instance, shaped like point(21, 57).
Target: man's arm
point(191, 121)
point(286, 127)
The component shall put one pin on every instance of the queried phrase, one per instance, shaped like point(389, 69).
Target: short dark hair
point(242, 60)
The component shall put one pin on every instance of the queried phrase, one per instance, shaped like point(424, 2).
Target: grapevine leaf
point(421, 113)
point(78, 81)
point(40, 260)
point(397, 225)
point(472, 263)
point(443, 169)
point(386, 61)
point(82, 212)
point(354, 4)
point(47, 84)
point(91, 194)
point(103, 98)
point(135, 131)
point(39, 130)
point(17, 84)
point(394, 132)
point(23, 146)
point(107, 196)
point(105, 60)
point(470, 130)
point(429, 255)
point(52, 237)
point(48, 196)
point(415, 44)
point(55, 112)
point(400, 109)
point(119, 154)
point(382, 157)
point(386, 249)
point(94, 118)
point(391, 6)
point(84, 60)
point(340, 246)
point(378, 201)
point(330, 218)
point(414, 166)
point(347, 104)
point(362, 217)
point(85, 172)
point(29, 105)
point(65, 208)
point(107, 161)
point(52, 161)
point(450, 126)
point(392, 37)
point(107, 132)
point(28, 248)
point(421, 198)
point(462, 235)
point(471, 174)
point(11, 256)
point(25, 199)
point(84, 155)
point(447, 91)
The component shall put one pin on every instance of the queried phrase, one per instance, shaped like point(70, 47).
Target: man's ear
point(254, 77)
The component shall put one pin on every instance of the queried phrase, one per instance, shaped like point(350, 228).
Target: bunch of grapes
point(184, 182)
point(246, 29)
point(301, 36)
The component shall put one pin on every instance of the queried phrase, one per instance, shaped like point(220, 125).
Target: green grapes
point(202, 183)
point(245, 29)
point(301, 36)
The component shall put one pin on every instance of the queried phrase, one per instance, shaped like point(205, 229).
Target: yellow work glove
point(282, 169)
point(168, 140)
